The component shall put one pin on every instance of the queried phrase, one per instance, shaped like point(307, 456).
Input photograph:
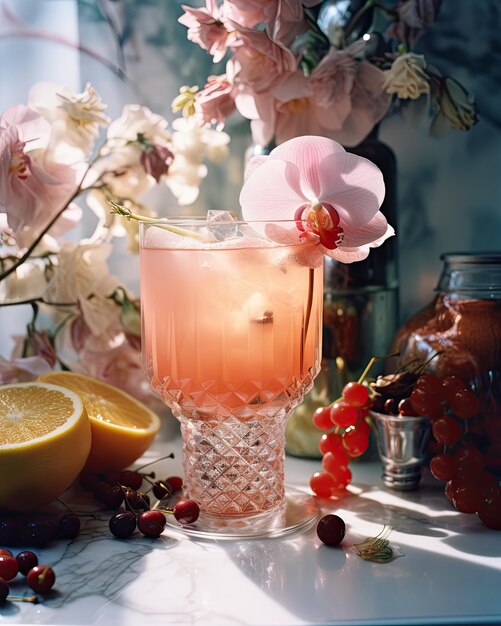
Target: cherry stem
point(32, 599)
point(168, 456)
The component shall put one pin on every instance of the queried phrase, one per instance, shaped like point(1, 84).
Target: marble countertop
point(448, 571)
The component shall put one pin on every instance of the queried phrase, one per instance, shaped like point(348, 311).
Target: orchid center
point(322, 219)
point(19, 161)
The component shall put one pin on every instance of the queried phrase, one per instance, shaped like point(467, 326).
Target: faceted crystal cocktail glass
point(231, 331)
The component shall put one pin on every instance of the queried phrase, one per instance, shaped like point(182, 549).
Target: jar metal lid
point(478, 258)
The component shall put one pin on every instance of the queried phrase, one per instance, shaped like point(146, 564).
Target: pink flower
point(156, 160)
point(413, 17)
point(335, 194)
point(206, 28)
point(22, 369)
point(260, 63)
point(284, 19)
point(216, 100)
point(32, 189)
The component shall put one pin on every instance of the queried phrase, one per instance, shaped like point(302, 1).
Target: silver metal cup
point(402, 442)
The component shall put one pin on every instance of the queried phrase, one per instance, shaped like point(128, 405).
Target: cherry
point(41, 578)
point(88, 480)
point(112, 478)
point(425, 402)
point(175, 482)
point(151, 523)
point(322, 418)
point(355, 394)
point(137, 500)
point(322, 484)
point(465, 496)
point(113, 497)
point(405, 407)
point(26, 560)
point(38, 532)
point(122, 524)
point(331, 530)
point(8, 567)
point(186, 511)
point(451, 385)
point(161, 489)
point(129, 478)
point(69, 526)
point(343, 414)
point(4, 591)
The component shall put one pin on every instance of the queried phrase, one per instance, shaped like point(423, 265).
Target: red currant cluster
point(462, 453)
point(347, 437)
point(40, 578)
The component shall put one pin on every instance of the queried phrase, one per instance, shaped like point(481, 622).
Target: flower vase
point(360, 314)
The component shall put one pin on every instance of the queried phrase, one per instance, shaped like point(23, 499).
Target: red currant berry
point(322, 484)
point(186, 511)
point(175, 483)
point(26, 560)
point(447, 430)
point(330, 442)
point(41, 578)
point(341, 477)
point(331, 530)
point(151, 523)
point(443, 467)
point(4, 591)
point(470, 461)
point(355, 394)
point(465, 404)
point(322, 418)
point(123, 524)
point(129, 478)
point(465, 496)
point(343, 414)
point(425, 402)
point(490, 513)
point(8, 567)
point(355, 441)
point(451, 385)
point(333, 460)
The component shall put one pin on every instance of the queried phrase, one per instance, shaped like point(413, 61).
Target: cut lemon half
point(122, 427)
point(45, 440)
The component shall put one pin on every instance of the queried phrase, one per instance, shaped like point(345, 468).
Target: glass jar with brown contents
point(459, 334)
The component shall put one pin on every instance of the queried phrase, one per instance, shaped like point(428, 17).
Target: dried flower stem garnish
point(376, 549)
point(123, 211)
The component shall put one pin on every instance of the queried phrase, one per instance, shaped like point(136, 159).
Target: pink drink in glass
point(231, 342)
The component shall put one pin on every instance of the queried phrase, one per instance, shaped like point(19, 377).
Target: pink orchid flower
point(32, 189)
point(332, 194)
point(206, 27)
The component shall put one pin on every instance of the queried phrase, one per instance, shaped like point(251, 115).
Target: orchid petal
point(348, 255)
point(253, 164)
point(369, 233)
point(271, 192)
point(306, 153)
point(353, 185)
